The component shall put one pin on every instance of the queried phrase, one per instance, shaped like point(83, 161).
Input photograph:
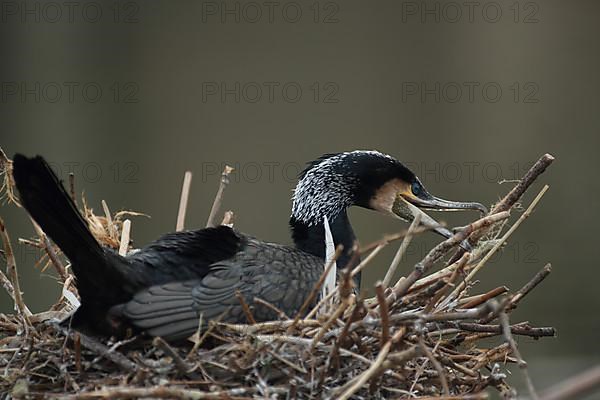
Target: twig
point(77, 344)
point(182, 366)
point(515, 194)
point(522, 364)
point(356, 270)
point(436, 364)
point(212, 218)
point(125, 231)
point(401, 357)
point(47, 245)
point(245, 308)
point(384, 312)
point(7, 285)
point(574, 387)
point(474, 301)
point(529, 286)
point(474, 396)
point(270, 326)
point(368, 259)
point(539, 277)
point(315, 289)
point(183, 201)
point(8, 182)
point(272, 307)
point(499, 243)
point(13, 276)
point(332, 318)
point(519, 329)
point(287, 362)
point(166, 392)
point(401, 250)
point(211, 326)
point(439, 251)
point(354, 386)
point(197, 336)
point(490, 306)
point(450, 284)
point(104, 351)
point(512, 197)
point(434, 277)
point(228, 218)
point(322, 301)
point(340, 339)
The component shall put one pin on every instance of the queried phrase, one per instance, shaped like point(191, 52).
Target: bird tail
point(48, 203)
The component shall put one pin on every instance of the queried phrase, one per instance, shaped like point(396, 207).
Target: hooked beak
point(426, 200)
point(407, 206)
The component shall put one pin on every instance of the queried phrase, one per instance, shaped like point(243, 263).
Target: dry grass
point(426, 335)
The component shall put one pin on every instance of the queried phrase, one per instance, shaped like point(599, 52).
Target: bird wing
point(173, 310)
point(185, 255)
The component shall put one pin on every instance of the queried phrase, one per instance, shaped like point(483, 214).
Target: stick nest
point(426, 335)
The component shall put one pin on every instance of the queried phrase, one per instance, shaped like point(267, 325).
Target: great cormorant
point(162, 289)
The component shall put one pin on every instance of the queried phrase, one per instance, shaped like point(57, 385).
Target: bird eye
point(416, 188)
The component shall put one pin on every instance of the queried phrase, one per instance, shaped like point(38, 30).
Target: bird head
point(372, 180)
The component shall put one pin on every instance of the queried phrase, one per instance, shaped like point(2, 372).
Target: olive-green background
point(391, 75)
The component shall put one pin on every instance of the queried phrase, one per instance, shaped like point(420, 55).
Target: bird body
point(166, 287)
point(279, 274)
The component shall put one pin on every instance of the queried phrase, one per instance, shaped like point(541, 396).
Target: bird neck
point(311, 237)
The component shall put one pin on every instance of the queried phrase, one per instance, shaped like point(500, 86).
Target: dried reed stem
point(183, 201)
point(125, 234)
point(212, 218)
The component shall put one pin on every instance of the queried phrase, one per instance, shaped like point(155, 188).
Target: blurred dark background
point(130, 95)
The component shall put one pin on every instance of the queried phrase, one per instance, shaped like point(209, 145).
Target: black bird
point(162, 289)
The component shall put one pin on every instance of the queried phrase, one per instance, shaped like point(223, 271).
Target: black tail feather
point(49, 204)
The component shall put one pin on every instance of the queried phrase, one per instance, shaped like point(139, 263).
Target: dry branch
point(13, 276)
point(574, 387)
point(212, 218)
point(47, 245)
point(440, 250)
point(500, 242)
point(522, 364)
point(512, 197)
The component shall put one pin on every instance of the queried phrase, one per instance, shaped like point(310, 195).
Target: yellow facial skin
point(386, 196)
